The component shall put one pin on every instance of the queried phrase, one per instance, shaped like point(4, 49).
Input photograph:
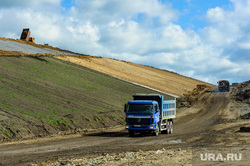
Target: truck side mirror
point(125, 108)
point(156, 109)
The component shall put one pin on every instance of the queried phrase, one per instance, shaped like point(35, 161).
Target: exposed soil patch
point(163, 80)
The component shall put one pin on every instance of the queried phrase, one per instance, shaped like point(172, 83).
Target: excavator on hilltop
point(223, 86)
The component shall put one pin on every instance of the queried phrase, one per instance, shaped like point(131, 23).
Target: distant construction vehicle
point(223, 86)
point(26, 35)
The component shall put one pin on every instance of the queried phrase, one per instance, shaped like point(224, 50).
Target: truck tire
point(131, 133)
point(171, 127)
point(168, 127)
point(163, 130)
point(156, 132)
point(160, 129)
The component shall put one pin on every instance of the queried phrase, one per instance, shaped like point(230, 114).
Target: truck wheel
point(171, 127)
point(168, 127)
point(131, 133)
point(160, 129)
point(156, 132)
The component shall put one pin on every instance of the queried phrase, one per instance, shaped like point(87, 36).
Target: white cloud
point(26, 3)
point(216, 15)
point(101, 11)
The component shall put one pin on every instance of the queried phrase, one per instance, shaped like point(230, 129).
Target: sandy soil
point(162, 80)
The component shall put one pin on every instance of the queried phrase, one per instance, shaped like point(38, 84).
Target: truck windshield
point(140, 109)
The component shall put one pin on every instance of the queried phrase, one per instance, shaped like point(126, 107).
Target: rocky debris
point(241, 92)
point(181, 102)
point(243, 95)
point(126, 158)
point(245, 116)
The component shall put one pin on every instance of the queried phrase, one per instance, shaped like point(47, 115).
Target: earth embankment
point(163, 80)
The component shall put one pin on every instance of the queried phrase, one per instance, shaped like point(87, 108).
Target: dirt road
point(210, 123)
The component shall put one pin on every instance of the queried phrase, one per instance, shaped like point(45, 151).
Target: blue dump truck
point(150, 113)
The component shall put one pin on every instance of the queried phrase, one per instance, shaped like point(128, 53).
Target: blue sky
point(206, 40)
point(193, 12)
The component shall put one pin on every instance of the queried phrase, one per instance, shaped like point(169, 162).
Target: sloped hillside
point(41, 96)
point(162, 80)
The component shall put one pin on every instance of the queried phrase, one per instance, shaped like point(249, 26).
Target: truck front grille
point(136, 121)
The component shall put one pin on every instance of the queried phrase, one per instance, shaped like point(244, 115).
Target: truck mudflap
point(167, 127)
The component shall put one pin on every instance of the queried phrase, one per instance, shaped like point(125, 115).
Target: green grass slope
point(40, 96)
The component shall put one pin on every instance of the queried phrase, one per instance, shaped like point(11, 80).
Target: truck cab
point(149, 113)
point(141, 115)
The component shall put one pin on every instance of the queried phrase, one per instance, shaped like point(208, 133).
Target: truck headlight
point(127, 126)
point(151, 126)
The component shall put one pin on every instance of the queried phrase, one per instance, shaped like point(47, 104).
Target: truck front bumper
point(141, 127)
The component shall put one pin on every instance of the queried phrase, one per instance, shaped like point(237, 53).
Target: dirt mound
point(194, 95)
point(240, 100)
point(241, 92)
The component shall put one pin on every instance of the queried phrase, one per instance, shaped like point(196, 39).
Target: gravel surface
point(158, 157)
point(8, 45)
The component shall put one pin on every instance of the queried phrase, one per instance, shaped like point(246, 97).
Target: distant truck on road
point(150, 113)
point(223, 86)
